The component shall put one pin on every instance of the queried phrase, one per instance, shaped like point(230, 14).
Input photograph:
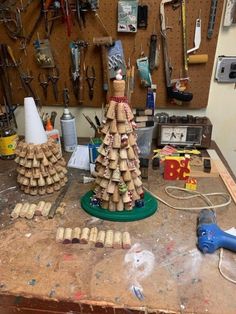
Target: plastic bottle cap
point(66, 111)
point(49, 126)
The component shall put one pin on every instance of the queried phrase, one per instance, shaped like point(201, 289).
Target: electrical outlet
point(226, 69)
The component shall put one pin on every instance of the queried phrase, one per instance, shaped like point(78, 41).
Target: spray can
point(68, 127)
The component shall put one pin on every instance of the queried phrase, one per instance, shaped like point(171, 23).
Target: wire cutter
point(43, 82)
point(90, 78)
point(54, 77)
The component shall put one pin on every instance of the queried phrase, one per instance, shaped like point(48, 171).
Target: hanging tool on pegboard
point(212, 18)
point(173, 86)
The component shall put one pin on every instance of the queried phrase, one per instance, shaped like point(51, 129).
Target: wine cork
point(23, 150)
point(42, 190)
point(130, 185)
point(105, 204)
point(126, 197)
point(121, 127)
point(22, 161)
point(21, 170)
point(105, 196)
point(105, 128)
point(117, 141)
point(120, 205)
point(111, 114)
point(111, 187)
point(61, 209)
point(39, 208)
point(56, 186)
point(107, 173)
point(25, 181)
point(76, 235)
point(46, 209)
point(38, 152)
point(33, 190)
point(46, 150)
point(126, 241)
point(135, 196)
point(113, 127)
point(123, 165)
point(30, 151)
point(123, 153)
point(104, 183)
point(36, 173)
point(101, 172)
point(113, 164)
point(60, 235)
point(121, 115)
point(93, 235)
point(132, 139)
point(130, 113)
point(100, 239)
point(49, 180)
point(51, 170)
point(139, 190)
point(130, 153)
point(28, 173)
point(107, 139)
point(84, 236)
point(24, 210)
point(112, 205)
point(17, 159)
point(16, 211)
point(41, 181)
point(53, 160)
point(127, 176)
point(116, 195)
point(117, 240)
point(109, 239)
point(33, 182)
point(128, 206)
point(128, 128)
point(137, 182)
point(67, 236)
point(45, 161)
point(56, 178)
point(27, 189)
point(30, 212)
point(112, 154)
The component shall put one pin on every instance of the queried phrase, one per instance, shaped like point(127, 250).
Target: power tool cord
point(193, 194)
point(210, 205)
point(220, 267)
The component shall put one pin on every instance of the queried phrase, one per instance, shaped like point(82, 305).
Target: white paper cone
point(34, 130)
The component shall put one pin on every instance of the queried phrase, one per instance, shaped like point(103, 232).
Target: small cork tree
point(118, 181)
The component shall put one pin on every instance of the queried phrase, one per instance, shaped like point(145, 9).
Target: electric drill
point(210, 236)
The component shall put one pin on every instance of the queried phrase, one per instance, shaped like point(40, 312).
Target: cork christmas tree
point(40, 166)
point(118, 193)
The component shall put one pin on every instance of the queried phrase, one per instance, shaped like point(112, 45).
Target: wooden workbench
point(37, 275)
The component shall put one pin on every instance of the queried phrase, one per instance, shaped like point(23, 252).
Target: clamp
point(44, 84)
point(27, 79)
point(90, 78)
point(54, 77)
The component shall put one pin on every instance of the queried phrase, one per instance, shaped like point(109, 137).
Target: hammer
point(104, 42)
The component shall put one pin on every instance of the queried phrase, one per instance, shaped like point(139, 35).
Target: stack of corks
point(118, 182)
point(41, 168)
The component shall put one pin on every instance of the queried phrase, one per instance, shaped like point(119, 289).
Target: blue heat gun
point(210, 236)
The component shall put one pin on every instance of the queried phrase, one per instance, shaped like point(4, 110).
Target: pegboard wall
point(133, 43)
